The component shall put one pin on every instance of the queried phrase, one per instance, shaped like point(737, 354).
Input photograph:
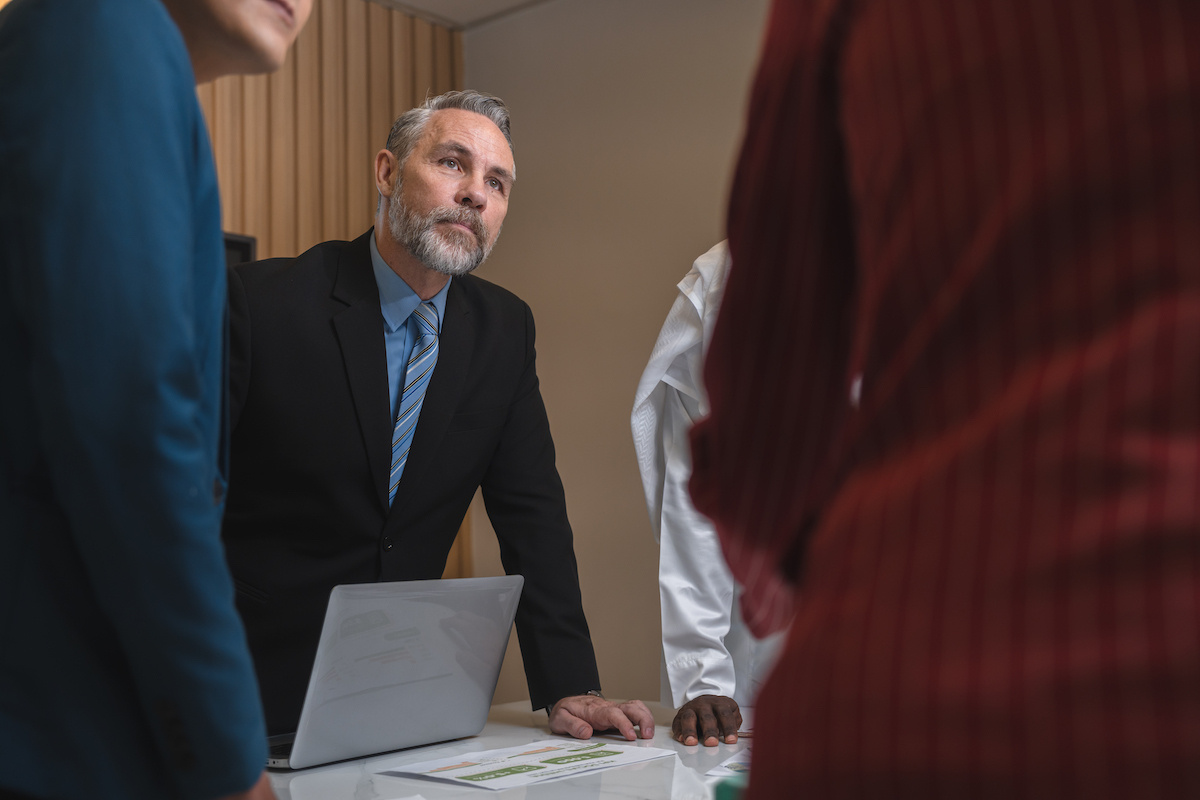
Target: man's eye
point(495, 184)
point(450, 162)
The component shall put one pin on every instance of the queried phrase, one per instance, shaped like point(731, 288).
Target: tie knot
point(426, 317)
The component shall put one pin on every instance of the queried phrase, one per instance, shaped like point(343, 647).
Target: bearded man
point(375, 386)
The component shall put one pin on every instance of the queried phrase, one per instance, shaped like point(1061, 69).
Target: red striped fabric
point(955, 390)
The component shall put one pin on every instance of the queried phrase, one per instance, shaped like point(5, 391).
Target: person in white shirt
point(712, 666)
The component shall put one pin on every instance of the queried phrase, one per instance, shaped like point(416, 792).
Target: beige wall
point(626, 120)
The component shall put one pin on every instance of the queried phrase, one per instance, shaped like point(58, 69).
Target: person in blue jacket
point(124, 671)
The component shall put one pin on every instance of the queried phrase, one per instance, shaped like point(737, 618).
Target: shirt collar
point(397, 300)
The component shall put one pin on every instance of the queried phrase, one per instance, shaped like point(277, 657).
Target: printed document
point(545, 760)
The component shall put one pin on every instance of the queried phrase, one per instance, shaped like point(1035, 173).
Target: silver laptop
point(399, 665)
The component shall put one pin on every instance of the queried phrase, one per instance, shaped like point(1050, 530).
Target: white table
point(681, 777)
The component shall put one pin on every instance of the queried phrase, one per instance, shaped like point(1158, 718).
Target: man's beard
point(451, 252)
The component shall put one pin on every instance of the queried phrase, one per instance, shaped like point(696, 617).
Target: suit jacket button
point(387, 543)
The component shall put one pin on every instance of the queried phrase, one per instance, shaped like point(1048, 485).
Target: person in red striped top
point(955, 398)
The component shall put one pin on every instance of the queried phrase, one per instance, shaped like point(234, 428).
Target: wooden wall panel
point(380, 107)
point(294, 151)
point(279, 238)
point(404, 56)
point(227, 148)
point(357, 156)
point(424, 61)
point(379, 73)
point(256, 171)
point(443, 60)
point(460, 70)
point(333, 119)
point(309, 204)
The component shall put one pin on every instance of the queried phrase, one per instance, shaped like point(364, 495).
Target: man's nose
point(472, 194)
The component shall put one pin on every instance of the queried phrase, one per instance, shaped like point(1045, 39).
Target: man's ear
point(386, 167)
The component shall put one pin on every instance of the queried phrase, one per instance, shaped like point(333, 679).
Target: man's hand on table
point(709, 719)
point(579, 715)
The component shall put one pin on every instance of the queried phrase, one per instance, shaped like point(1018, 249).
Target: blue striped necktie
point(416, 379)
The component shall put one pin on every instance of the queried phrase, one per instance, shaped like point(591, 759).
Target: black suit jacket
point(311, 450)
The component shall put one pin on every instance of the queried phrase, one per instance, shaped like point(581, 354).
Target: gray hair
point(409, 126)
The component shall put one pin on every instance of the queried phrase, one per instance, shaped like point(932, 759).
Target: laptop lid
point(403, 664)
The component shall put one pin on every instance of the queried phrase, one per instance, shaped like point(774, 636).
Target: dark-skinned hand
point(709, 719)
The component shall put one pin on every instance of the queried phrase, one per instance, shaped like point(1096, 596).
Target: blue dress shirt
point(397, 301)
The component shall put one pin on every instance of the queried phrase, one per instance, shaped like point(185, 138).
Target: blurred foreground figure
point(955, 390)
point(124, 671)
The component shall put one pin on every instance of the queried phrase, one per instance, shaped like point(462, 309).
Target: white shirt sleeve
point(696, 591)
point(705, 646)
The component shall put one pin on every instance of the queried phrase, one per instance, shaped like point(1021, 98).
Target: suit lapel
point(359, 330)
point(445, 387)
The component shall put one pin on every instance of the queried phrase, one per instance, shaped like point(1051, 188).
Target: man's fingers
point(707, 726)
point(579, 716)
point(640, 715)
point(616, 719)
point(683, 727)
point(710, 719)
point(565, 723)
point(730, 721)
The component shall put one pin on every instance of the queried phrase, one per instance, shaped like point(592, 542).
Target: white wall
point(627, 115)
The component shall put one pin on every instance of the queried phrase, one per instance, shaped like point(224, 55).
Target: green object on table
point(731, 788)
